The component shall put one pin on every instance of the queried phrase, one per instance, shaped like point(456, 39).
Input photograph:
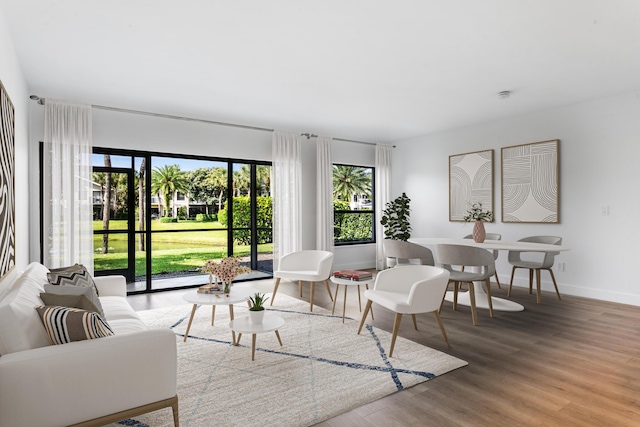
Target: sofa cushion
point(90, 293)
point(66, 324)
point(20, 325)
point(74, 301)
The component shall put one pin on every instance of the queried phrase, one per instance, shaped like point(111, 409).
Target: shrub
point(206, 217)
point(168, 219)
point(242, 219)
point(182, 212)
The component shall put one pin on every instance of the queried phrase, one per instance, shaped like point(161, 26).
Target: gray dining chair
point(406, 253)
point(491, 236)
point(544, 261)
point(449, 256)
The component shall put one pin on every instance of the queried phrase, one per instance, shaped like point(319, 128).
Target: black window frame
point(372, 212)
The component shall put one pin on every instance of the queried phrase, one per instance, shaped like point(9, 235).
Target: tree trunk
point(141, 204)
point(106, 207)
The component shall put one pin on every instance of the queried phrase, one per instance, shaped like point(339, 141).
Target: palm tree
point(218, 178)
point(242, 181)
point(263, 180)
point(166, 181)
point(350, 180)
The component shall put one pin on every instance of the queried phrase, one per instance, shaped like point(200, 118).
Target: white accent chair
point(304, 266)
point(545, 263)
point(411, 289)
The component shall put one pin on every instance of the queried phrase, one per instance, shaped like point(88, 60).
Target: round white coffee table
point(271, 322)
point(346, 283)
point(238, 294)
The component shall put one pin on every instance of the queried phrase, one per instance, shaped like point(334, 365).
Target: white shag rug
point(323, 368)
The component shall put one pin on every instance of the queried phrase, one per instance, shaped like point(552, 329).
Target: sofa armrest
point(111, 286)
point(70, 383)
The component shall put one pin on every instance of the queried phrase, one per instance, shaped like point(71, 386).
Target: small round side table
point(346, 283)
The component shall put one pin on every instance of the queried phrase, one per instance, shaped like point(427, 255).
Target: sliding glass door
point(158, 218)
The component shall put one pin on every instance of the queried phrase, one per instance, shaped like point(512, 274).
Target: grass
point(171, 252)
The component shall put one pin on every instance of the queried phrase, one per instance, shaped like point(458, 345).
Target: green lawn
point(171, 252)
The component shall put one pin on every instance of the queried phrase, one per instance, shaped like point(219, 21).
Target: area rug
point(322, 369)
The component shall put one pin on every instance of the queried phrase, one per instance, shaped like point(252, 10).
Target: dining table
point(499, 304)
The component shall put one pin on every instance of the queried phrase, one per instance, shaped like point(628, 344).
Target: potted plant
point(479, 216)
point(256, 307)
point(395, 220)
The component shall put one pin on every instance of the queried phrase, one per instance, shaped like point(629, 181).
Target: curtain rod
point(41, 101)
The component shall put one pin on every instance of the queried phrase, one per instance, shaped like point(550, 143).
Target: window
point(353, 211)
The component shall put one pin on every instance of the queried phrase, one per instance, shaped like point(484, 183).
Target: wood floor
point(574, 362)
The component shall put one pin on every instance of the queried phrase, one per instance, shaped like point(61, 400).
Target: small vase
point(478, 232)
point(210, 279)
point(227, 287)
point(256, 317)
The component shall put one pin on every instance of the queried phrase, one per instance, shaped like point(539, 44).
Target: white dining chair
point(548, 258)
point(305, 266)
point(491, 236)
point(411, 289)
point(405, 253)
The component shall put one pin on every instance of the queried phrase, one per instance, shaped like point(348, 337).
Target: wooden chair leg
point(538, 294)
point(513, 270)
point(275, 289)
point(497, 280)
point(396, 327)
point(367, 307)
point(455, 295)
point(326, 282)
point(530, 281)
point(487, 287)
point(313, 293)
point(555, 285)
point(415, 324)
point(444, 334)
point(300, 287)
point(472, 300)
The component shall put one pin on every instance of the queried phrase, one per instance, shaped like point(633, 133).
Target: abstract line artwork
point(470, 181)
point(530, 182)
point(7, 184)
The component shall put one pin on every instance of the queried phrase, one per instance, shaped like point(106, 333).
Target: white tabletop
point(237, 294)
point(504, 245)
point(270, 323)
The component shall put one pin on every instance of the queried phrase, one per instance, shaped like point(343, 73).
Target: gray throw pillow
point(90, 293)
point(75, 275)
point(65, 324)
point(74, 301)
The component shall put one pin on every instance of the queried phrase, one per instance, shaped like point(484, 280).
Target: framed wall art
point(470, 181)
point(7, 184)
point(530, 182)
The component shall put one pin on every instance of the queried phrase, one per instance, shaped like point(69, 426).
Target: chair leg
point(497, 280)
point(530, 281)
point(415, 324)
point(455, 295)
point(275, 289)
point(326, 282)
point(396, 327)
point(513, 270)
point(555, 285)
point(472, 300)
point(300, 287)
point(538, 295)
point(313, 292)
point(367, 307)
point(444, 334)
point(489, 301)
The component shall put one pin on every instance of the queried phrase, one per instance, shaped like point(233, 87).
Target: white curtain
point(68, 209)
point(324, 195)
point(383, 191)
point(287, 195)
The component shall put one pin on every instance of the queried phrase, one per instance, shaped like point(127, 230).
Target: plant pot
point(256, 317)
point(479, 233)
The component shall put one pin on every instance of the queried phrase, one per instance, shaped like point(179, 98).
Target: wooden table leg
point(335, 299)
point(213, 313)
point(359, 303)
point(344, 303)
point(253, 347)
point(233, 333)
point(193, 312)
point(278, 336)
point(366, 285)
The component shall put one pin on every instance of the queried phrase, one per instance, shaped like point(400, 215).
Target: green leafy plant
point(256, 302)
point(395, 219)
point(476, 213)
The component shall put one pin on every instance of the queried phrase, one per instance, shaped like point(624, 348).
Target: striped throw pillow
point(66, 324)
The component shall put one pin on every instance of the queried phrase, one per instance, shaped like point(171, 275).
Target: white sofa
point(92, 382)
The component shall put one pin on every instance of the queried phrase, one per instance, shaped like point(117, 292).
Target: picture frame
point(7, 184)
point(530, 176)
point(470, 181)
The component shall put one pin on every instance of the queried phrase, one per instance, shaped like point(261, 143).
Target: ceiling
point(369, 70)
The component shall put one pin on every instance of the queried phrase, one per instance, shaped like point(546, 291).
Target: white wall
point(16, 87)
point(163, 135)
point(599, 151)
